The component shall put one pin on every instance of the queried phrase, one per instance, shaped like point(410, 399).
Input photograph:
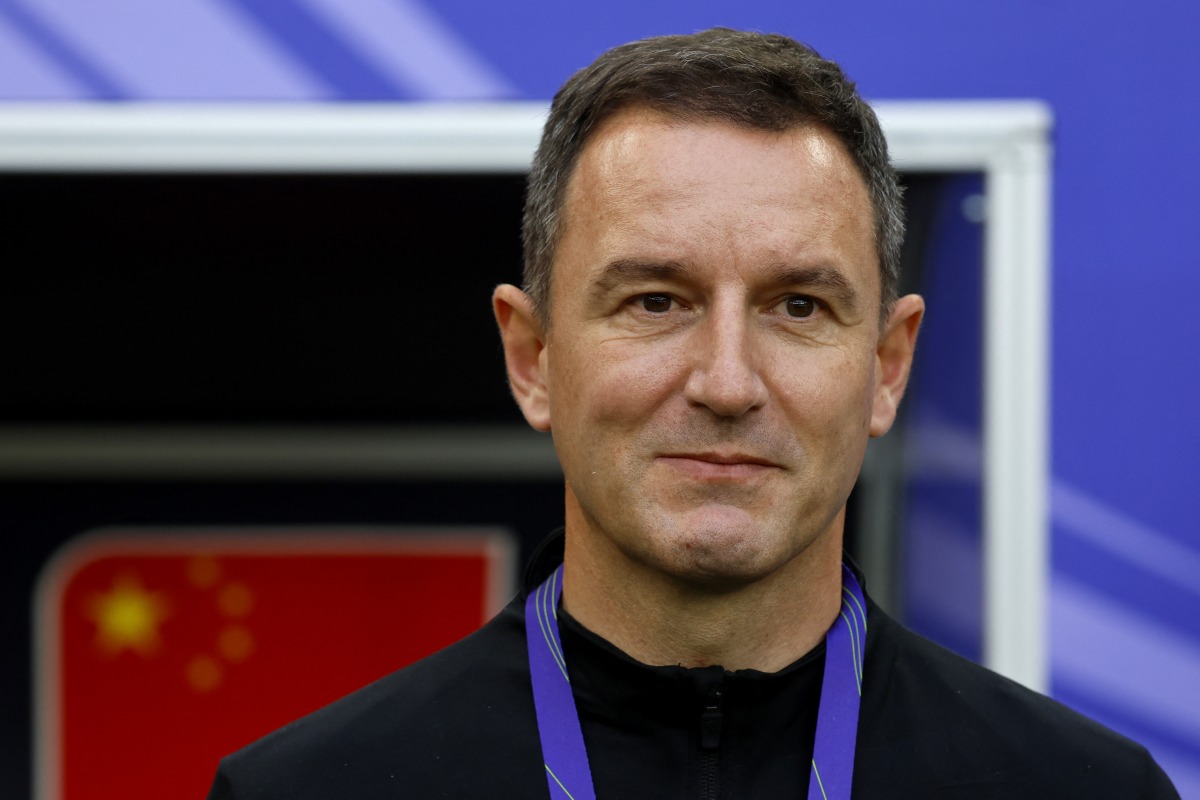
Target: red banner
point(158, 654)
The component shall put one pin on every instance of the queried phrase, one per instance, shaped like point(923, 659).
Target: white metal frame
point(1007, 141)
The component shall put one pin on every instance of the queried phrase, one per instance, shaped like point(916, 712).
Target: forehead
point(712, 194)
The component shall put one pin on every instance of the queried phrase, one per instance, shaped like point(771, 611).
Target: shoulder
point(435, 728)
point(933, 718)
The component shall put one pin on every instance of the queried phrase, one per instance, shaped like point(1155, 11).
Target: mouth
point(719, 466)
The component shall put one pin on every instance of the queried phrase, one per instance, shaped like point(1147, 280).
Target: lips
point(719, 466)
point(726, 458)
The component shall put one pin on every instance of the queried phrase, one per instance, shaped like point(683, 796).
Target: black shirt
point(460, 724)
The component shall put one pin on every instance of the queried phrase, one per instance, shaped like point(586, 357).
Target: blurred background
point(231, 372)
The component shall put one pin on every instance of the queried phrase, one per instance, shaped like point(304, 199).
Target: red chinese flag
point(158, 654)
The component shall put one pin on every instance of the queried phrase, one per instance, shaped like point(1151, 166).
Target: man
point(711, 331)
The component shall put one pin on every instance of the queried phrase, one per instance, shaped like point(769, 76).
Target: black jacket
point(460, 724)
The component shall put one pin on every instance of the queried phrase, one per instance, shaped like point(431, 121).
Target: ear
point(893, 361)
point(524, 348)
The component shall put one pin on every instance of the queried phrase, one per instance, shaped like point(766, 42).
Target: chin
point(723, 549)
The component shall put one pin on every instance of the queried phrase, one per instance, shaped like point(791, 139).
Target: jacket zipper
point(710, 747)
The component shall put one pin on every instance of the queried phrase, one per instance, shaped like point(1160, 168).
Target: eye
point(656, 303)
point(800, 306)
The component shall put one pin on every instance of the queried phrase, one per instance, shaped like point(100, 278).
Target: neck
point(661, 619)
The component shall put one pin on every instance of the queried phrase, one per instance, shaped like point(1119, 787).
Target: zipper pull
point(710, 723)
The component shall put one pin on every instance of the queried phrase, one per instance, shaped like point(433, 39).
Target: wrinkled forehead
point(642, 157)
point(620, 138)
point(651, 187)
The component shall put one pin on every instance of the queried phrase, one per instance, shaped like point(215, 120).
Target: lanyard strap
point(841, 692)
point(565, 756)
point(563, 751)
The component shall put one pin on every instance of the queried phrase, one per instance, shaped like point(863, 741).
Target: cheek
point(602, 396)
point(621, 380)
point(829, 393)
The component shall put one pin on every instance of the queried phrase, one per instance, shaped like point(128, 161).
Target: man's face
point(711, 368)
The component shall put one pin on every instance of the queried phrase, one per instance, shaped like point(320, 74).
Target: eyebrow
point(626, 270)
point(826, 279)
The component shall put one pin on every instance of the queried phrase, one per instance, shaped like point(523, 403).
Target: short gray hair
point(758, 81)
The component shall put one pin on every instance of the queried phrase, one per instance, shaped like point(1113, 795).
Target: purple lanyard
point(563, 751)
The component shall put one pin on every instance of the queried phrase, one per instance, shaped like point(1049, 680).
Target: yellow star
point(127, 617)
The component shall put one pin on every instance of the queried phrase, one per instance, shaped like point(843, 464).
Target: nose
point(725, 375)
